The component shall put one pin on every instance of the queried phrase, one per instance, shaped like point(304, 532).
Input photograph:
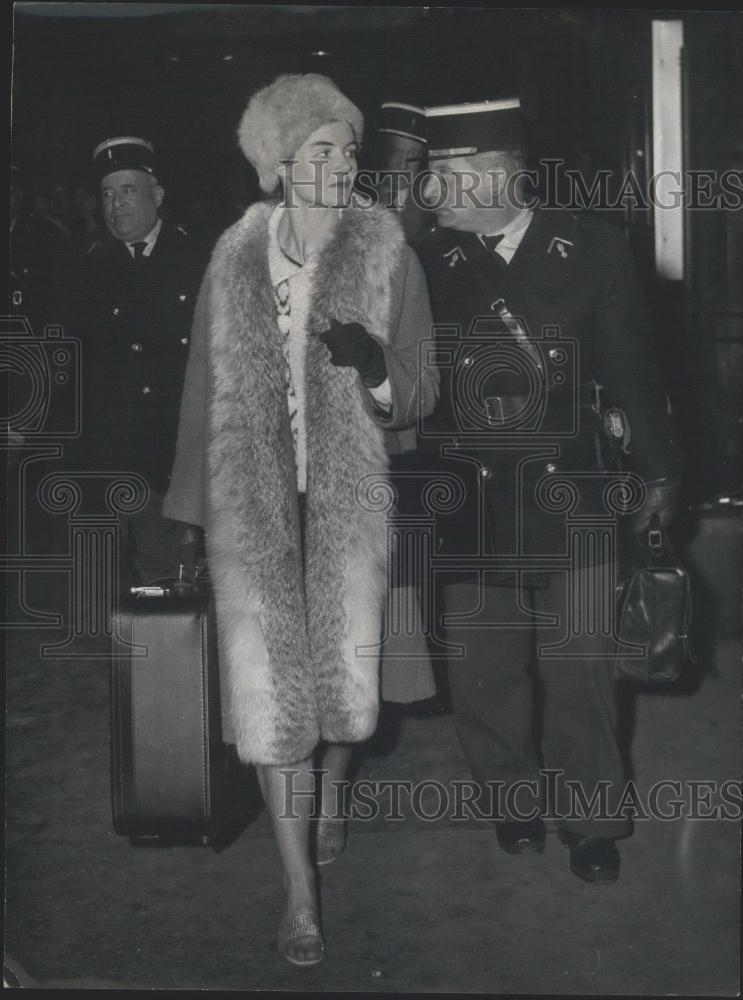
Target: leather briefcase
point(654, 614)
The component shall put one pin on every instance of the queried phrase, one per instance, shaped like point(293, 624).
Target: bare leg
point(333, 758)
point(290, 815)
point(331, 828)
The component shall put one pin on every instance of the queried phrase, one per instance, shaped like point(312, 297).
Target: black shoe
point(594, 859)
point(521, 837)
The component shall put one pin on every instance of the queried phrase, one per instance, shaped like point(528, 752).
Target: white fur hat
point(282, 115)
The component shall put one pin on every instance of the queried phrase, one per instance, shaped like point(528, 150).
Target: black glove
point(351, 346)
point(658, 510)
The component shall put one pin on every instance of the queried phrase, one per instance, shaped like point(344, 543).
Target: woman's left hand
point(350, 346)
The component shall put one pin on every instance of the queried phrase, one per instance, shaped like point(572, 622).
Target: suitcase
point(172, 778)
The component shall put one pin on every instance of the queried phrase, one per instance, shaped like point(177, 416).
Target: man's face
point(464, 198)
point(400, 153)
point(130, 200)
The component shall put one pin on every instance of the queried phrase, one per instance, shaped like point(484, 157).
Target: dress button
point(551, 467)
point(146, 390)
point(184, 340)
point(485, 472)
point(136, 348)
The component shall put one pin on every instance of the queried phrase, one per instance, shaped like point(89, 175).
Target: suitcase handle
point(181, 586)
point(151, 590)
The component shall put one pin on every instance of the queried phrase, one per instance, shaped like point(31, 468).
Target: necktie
point(491, 242)
point(138, 249)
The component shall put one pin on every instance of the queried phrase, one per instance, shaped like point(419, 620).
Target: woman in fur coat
point(303, 365)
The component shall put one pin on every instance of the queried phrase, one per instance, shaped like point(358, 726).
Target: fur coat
point(292, 639)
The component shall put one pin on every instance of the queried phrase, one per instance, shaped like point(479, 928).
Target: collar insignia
point(454, 256)
point(560, 245)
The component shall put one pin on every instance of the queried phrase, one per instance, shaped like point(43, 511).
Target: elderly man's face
point(130, 200)
point(467, 195)
point(447, 193)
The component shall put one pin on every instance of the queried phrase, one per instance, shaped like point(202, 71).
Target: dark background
point(182, 74)
point(84, 71)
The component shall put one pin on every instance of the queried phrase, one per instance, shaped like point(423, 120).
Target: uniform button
point(136, 348)
point(116, 310)
point(485, 472)
point(182, 298)
point(146, 390)
point(551, 467)
point(467, 361)
point(184, 340)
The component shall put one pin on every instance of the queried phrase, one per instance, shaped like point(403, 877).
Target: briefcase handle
point(182, 585)
point(192, 572)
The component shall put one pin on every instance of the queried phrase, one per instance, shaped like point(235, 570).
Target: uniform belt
point(501, 408)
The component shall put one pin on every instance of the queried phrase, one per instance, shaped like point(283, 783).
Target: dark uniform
point(134, 318)
point(523, 349)
point(35, 245)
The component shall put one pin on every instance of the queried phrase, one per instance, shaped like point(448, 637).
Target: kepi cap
point(477, 127)
point(126, 152)
point(403, 119)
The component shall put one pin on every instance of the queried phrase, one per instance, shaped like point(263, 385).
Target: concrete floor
point(410, 907)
